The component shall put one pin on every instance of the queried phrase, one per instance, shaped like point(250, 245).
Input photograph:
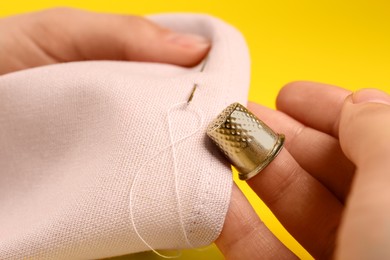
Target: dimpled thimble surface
point(246, 141)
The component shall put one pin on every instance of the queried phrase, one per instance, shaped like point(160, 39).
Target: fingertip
point(187, 49)
point(152, 43)
point(188, 40)
point(287, 92)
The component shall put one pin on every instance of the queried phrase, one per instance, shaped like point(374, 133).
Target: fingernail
point(189, 40)
point(370, 96)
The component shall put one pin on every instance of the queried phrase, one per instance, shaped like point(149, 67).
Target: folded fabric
point(105, 158)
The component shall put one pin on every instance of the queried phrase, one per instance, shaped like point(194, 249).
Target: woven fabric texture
point(76, 139)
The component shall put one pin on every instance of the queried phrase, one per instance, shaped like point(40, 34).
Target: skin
point(63, 35)
point(330, 185)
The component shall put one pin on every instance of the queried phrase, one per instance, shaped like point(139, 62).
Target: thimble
point(246, 141)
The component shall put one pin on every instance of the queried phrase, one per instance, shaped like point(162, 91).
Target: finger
point(313, 104)
point(318, 153)
point(364, 137)
point(304, 206)
point(244, 235)
point(65, 34)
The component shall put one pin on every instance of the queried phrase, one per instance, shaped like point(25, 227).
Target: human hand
point(335, 142)
point(64, 34)
point(306, 187)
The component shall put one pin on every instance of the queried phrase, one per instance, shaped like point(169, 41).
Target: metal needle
point(196, 85)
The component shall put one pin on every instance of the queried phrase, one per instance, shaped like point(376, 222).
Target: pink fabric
point(73, 138)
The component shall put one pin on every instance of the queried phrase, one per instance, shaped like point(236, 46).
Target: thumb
point(65, 34)
point(364, 133)
point(364, 127)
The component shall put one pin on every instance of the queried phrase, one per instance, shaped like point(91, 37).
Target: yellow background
point(345, 43)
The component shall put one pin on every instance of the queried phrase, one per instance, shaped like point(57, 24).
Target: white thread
point(172, 146)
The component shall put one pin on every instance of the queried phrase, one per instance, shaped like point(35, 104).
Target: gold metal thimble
point(247, 142)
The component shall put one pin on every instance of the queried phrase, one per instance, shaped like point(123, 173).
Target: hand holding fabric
point(105, 158)
point(65, 34)
point(335, 140)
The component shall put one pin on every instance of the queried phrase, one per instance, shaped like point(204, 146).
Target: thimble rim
point(270, 157)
